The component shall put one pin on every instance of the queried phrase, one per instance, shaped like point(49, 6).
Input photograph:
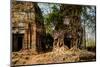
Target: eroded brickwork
point(26, 20)
point(70, 32)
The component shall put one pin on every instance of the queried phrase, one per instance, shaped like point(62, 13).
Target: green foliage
point(52, 18)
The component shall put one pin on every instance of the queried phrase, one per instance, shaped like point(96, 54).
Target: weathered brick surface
point(26, 21)
point(71, 26)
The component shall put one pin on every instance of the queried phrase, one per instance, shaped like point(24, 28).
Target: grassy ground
point(91, 45)
point(57, 56)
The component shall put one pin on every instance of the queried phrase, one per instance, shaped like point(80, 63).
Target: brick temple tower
point(27, 26)
point(70, 32)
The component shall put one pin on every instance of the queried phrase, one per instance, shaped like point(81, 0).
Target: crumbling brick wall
point(70, 30)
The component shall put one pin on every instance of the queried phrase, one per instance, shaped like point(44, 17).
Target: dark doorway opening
point(17, 42)
point(46, 42)
point(67, 40)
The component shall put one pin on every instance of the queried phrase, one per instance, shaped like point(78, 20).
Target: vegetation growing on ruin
point(53, 33)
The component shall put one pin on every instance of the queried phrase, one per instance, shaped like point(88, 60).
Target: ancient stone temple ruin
point(70, 32)
point(28, 30)
point(27, 26)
